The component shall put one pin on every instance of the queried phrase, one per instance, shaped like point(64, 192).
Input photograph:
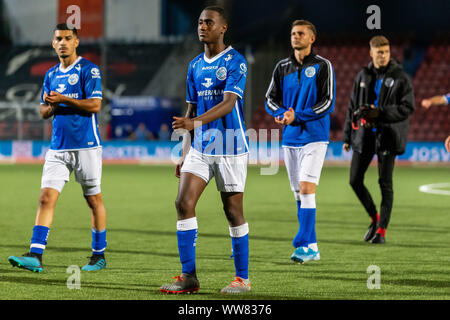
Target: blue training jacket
point(310, 90)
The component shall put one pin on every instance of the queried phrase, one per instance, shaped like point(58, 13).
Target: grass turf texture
point(142, 249)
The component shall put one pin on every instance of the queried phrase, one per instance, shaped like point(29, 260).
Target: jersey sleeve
point(191, 92)
point(236, 77)
point(274, 95)
point(45, 87)
point(93, 83)
point(447, 98)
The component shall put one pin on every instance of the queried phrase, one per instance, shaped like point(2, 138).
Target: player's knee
point(307, 188)
point(385, 185)
point(355, 182)
point(94, 201)
point(184, 206)
point(46, 200)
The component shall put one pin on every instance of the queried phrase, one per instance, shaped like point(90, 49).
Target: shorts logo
point(95, 73)
point(389, 82)
point(221, 73)
point(310, 72)
point(73, 79)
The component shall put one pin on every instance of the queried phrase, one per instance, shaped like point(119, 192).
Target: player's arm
point(92, 105)
point(47, 110)
point(187, 139)
point(435, 101)
point(273, 103)
point(217, 112)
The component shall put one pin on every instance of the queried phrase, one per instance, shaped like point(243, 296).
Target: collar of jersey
point(216, 56)
point(69, 67)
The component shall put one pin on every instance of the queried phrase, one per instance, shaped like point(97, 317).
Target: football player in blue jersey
point(72, 95)
point(215, 92)
point(301, 97)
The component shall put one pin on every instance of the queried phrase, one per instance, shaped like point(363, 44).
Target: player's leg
point(312, 158)
point(88, 172)
point(55, 174)
point(195, 175)
point(292, 159)
point(359, 165)
point(230, 174)
point(386, 163)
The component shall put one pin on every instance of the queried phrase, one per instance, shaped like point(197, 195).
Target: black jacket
point(396, 104)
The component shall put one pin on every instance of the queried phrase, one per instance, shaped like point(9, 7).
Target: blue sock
point(307, 218)
point(297, 236)
point(186, 249)
point(98, 241)
point(39, 239)
point(240, 244)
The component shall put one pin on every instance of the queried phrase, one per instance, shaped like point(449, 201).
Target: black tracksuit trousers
point(360, 163)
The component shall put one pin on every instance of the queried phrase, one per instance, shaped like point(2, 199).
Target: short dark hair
point(64, 26)
point(305, 23)
point(378, 41)
point(221, 11)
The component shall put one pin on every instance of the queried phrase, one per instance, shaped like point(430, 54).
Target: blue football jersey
point(447, 97)
point(74, 129)
point(207, 81)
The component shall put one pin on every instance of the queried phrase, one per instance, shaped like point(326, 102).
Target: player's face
point(65, 42)
point(301, 37)
point(211, 26)
point(380, 56)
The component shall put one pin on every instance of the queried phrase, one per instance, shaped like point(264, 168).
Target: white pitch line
point(435, 188)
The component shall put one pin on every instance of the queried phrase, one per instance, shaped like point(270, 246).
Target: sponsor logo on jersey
point(208, 94)
point(209, 68)
point(62, 76)
point(208, 83)
point(61, 88)
point(73, 79)
point(243, 68)
point(221, 73)
point(72, 95)
point(310, 72)
point(95, 73)
point(238, 89)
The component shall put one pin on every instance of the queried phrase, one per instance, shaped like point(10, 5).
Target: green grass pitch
point(142, 249)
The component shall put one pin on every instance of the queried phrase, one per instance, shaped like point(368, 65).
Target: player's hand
point(54, 98)
point(289, 116)
point(52, 106)
point(447, 144)
point(426, 103)
point(346, 147)
point(279, 120)
point(183, 123)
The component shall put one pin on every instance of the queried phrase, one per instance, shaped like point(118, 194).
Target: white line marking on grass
point(436, 188)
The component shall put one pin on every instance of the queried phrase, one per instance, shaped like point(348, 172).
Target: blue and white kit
point(76, 144)
point(219, 148)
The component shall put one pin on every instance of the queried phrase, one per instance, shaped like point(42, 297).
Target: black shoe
point(371, 231)
point(186, 283)
point(378, 239)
